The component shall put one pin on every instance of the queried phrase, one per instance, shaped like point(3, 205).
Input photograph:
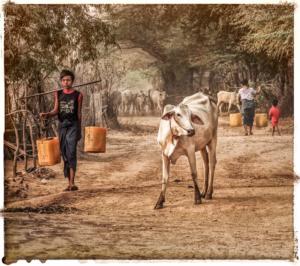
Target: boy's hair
point(66, 72)
point(244, 82)
point(275, 102)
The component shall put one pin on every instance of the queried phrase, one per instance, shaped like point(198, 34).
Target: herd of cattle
point(128, 102)
point(152, 101)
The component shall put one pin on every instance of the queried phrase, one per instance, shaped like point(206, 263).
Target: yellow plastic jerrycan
point(261, 120)
point(95, 139)
point(48, 151)
point(235, 120)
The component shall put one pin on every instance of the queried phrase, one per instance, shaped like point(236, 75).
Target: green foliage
point(268, 29)
point(41, 38)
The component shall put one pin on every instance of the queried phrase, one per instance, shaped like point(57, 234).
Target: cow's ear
point(168, 115)
point(168, 112)
point(196, 119)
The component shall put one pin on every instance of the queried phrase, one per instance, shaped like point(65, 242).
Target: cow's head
point(183, 119)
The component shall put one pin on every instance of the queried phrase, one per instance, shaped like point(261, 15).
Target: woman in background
point(246, 96)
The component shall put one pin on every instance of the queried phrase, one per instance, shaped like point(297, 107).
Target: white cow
point(128, 101)
point(157, 99)
point(184, 129)
point(140, 103)
point(227, 97)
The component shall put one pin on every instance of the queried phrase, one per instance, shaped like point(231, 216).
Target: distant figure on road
point(246, 96)
point(274, 114)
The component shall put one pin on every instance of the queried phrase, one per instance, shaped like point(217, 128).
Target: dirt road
point(112, 215)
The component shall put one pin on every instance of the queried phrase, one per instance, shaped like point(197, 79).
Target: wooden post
point(92, 108)
point(32, 143)
point(24, 132)
point(24, 141)
point(17, 149)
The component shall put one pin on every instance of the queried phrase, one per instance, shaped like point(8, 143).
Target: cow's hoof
point(198, 201)
point(158, 206)
point(208, 196)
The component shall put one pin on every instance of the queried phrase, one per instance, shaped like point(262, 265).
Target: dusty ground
point(112, 216)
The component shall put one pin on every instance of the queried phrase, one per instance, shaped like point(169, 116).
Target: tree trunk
point(112, 117)
point(190, 79)
point(96, 109)
point(169, 78)
point(24, 132)
point(286, 86)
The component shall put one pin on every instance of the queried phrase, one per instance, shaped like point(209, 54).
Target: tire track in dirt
point(261, 166)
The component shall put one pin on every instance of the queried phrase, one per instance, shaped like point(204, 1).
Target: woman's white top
point(247, 93)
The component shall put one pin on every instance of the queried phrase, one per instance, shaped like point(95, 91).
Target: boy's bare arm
point(54, 112)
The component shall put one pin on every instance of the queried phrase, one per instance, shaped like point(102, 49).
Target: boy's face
point(66, 82)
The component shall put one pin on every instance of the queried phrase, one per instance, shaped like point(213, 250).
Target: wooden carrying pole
point(48, 92)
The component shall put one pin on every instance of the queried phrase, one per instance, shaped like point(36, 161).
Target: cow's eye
point(178, 115)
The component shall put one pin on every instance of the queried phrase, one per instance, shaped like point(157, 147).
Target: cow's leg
point(122, 108)
point(136, 111)
point(165, 177)
point(192, 161)
point(154, 109)
point(204, 155)
point(229, 107)
point(131, 109)
point(159, 108)
point(212, 164)
point(219, 105)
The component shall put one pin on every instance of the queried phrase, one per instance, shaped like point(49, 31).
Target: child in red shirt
point(274, 115)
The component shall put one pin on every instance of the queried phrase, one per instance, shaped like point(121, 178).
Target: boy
point(68, 105)
point(274, 115)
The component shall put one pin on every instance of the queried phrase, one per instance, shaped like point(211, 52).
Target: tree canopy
point(41, 38)
point(230, 42)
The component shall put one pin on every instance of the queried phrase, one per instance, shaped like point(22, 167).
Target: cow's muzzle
point(191, 132)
